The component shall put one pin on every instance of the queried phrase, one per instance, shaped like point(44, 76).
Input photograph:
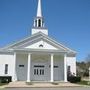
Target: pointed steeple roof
point(39, 25)
point(39, 10)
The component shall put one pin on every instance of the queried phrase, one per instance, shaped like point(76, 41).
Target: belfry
point(39, 25)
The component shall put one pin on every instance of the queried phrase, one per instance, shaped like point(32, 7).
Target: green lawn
point(84, 83)
point(1, 84)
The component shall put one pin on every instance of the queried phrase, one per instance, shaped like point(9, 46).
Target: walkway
point(38, 85)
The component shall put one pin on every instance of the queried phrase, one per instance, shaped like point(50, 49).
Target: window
point(35, 23)
point(6, 68)
point(41, 71)
point(35, 71)
point(21, 65)
point(38, 71)
point(55, 66)
point(39, 23)
point(69, 71)
point(40, 45)
point(39, 66)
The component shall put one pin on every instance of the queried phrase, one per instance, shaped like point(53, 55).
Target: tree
point(83, 67)
point(87, 61)
point(88, 58)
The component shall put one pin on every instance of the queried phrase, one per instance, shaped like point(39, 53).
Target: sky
point(68, 22)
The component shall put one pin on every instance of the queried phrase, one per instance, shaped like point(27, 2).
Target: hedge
point(74, 79)
point(5, 79)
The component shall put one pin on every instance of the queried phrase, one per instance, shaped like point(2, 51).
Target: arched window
point(39, 23)
point(40, 45)
point(35, 23)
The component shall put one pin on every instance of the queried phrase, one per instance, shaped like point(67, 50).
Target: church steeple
point(39, 9)
point(39, 21)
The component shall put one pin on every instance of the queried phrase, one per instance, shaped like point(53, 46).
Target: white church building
point(37, 57)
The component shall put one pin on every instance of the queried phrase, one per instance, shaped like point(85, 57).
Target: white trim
point(20, 41)
point(29, 68)
point(52, 69)
point(45, 37)
point(29, 41)
point(15, 73)
point(39, 11)
point(65, 68)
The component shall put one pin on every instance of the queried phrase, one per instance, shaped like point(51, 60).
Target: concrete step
point(39, 84)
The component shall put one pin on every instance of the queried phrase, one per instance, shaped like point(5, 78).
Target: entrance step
point(40, 84)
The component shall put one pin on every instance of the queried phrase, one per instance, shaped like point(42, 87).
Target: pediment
point(38, 41)
point(41, 44)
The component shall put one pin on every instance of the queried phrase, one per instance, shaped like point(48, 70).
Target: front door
point(39, 72)
point(21, 72)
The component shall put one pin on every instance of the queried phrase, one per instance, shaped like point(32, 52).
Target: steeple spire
point(39, 10)
point(38, 21)
point(38, 25)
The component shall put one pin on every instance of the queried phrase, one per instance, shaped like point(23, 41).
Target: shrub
point(74, 79)
point(5, 79)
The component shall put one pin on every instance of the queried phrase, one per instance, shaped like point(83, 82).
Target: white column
point(37, 22)
point(29, 66)
point(52, 69)
point(14, 78)
point(65, 68)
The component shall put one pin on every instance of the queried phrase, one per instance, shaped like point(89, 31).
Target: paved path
point(43, 85)
point(71, 88)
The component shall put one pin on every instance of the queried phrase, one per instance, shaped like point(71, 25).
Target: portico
point(45, 66)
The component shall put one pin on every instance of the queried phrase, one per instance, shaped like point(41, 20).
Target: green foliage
point(84, 83)
point(4, 79)
point(74, 79)
point(82, 69)
point(88, 58)
point(1, 84)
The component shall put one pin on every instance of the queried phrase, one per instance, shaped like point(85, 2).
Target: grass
point(1, 84)
point(84, 83)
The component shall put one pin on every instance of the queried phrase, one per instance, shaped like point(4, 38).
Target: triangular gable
point(21, 42)
point(36, 41)
point(42, 44)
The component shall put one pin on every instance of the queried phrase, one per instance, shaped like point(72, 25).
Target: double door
point(39, 72)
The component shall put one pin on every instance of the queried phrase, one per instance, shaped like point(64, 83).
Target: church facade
point(38, 57)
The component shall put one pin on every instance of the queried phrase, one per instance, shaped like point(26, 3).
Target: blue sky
point(68, 21)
